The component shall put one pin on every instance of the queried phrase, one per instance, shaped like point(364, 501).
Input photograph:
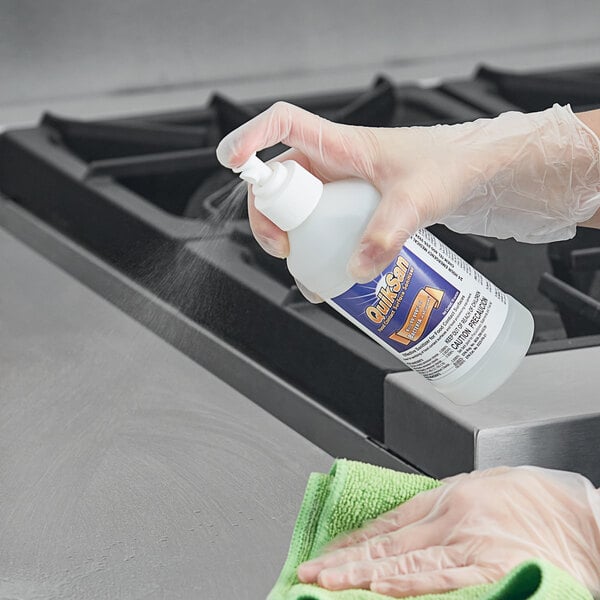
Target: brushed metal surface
point(126, 469)
point(546, 414)
point(283, 400)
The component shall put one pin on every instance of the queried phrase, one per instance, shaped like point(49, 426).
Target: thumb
point(394, 221)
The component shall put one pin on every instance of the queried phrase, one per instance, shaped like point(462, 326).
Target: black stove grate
point(537, 91)
point(494, 91)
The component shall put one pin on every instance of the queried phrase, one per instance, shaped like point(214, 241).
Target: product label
point(431, 308)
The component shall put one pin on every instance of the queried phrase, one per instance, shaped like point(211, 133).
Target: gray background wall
point(55, 49)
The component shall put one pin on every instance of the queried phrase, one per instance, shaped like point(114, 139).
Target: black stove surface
point(147, 195)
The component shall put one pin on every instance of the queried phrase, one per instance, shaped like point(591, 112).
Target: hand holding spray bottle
point(429, 308)
point(533, 177)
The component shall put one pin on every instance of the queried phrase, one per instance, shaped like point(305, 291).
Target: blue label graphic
point(404, 304)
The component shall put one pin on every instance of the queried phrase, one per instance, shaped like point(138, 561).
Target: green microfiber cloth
point(355, 492)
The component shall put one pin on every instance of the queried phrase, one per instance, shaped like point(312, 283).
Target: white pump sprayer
point(286, 193)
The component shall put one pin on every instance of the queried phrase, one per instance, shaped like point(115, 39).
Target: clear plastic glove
point(528, 176)
point(471, 530)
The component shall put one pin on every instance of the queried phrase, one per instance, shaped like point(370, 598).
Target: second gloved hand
point(528, 176)
point(473, 529)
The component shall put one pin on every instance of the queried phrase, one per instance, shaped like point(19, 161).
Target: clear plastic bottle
point(429, 307)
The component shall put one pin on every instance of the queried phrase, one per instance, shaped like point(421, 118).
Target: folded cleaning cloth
point(355, 492)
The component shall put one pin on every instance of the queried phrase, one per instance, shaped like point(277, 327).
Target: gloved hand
point(471, 530)
point(528, 176)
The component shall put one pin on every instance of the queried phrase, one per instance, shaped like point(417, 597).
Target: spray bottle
point(428, 307)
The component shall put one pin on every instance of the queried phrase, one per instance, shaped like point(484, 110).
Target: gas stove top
point(147, 196)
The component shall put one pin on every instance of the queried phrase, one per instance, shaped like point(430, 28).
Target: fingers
point(363, 574)
point(431, 582)
point(414, 537)
point(335, 151)
point(396, 218)
point(411, 511)
point(282, 122)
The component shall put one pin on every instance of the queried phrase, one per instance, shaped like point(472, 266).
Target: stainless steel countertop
point(126, 469)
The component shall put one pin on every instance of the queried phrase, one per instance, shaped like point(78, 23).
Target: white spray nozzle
point(286, 193)
point(254, 171)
